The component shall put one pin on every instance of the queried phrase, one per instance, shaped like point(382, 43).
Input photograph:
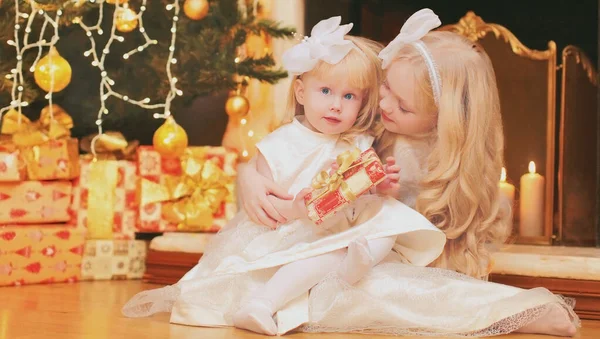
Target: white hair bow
point(413, 30)
point(326, 42)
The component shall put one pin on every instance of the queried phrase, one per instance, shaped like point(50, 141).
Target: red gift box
point(356, 174)
point(28, 202)
point(155, 173)
point(40, 254)
point(113, 187)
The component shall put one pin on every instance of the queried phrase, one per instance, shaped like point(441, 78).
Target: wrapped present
point(356, 174)
point(193, 193)
point(105, 199)
point(113, 259)
point(40, 150)
point(108, 146)
point(40, 254)
point(34, 202)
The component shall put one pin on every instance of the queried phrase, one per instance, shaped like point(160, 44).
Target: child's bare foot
point(357, 262)
point(255, 317)
point(555, 322)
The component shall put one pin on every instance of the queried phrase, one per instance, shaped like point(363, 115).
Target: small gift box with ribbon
point(35, 202)
point(40, 254)
point(192, 193)
point(332, 191)
point(108, 146)
point(40, 150)
point(113, 259)
point(105, 199)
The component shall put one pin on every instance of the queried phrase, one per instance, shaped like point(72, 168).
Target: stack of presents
point(67, 215)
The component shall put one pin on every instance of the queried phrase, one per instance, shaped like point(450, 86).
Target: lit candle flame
point(531, 167)
point(503, 175)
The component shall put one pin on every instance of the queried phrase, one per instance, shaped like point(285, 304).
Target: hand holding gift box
point(42, 149)
point(192, 193)
point(356, 173)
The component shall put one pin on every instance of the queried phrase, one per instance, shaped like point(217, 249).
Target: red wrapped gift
point(105, 199)
point(40, 254)
point(194, 193)
point(356, 174)
point(28, 202)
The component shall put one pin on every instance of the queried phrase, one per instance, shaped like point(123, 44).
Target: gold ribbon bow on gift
point(190, 200)
point(26, 133)
point(336, 180)
point(109, 146)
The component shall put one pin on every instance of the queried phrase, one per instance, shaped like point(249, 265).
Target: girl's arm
point(255, 189)
point(284, 209)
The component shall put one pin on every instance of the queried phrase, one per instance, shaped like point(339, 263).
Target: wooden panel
point(585, 292)
point(168, 267)
point(578, 139)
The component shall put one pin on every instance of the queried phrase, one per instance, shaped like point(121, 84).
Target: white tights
point(298, 277)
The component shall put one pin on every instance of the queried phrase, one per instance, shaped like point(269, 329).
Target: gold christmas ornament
point(170, 139)
point(195, 9)
point(112, 2)
point(126, 20)
point(52, 64)
point(237, 106)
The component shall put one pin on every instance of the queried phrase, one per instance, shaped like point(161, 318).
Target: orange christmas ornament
point(237, 106)
point(170, 139)
point(52, 64)
point(195, 9)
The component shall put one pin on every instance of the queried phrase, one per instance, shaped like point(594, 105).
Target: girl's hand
point(299, 206)
point(254, 189)
point(390, 185)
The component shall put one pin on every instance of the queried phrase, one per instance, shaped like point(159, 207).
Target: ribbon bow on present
point(190, 200)
point(110, 146)
point(26, 133)
point(336, 179)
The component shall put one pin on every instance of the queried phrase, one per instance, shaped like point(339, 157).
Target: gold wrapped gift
point(43, 147)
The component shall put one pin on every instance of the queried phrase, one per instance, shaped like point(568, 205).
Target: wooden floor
point(92, 310)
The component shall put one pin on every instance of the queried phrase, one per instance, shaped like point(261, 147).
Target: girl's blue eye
point(349, 96)
point(325, 90)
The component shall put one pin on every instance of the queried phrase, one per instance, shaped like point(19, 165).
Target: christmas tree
point(128, 59)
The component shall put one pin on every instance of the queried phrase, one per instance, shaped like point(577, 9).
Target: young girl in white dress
point(441, 121)
point(250, 272)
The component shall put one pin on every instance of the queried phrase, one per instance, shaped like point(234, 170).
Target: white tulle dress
point(398, 296)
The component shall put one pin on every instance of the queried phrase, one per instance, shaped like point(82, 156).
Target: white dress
point(245, 255)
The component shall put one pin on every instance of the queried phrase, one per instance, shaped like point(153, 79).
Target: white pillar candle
point(506, 189)
point(531, 212)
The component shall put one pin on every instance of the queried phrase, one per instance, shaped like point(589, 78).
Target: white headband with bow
point(326, 43)
point(411, 33)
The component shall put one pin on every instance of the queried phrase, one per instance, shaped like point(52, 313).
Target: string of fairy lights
point(106, 86)
point(16, 74)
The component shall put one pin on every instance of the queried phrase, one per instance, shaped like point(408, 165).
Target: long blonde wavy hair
point(363, 67)
point(459, 192)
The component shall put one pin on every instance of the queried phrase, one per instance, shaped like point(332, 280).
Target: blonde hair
point(459, 192)
point(363, 67)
